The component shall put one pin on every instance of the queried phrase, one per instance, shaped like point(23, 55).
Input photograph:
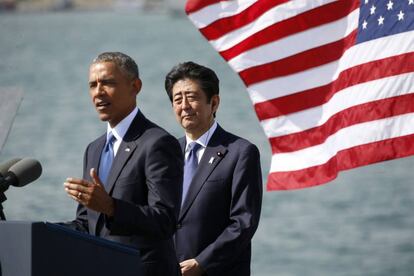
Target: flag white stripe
point(296, 43)
point(283, 86)
point(272, 16)
point(298, 80)
point(355, 95)
point(359, 54)
point(344, 139)
point(212, 13)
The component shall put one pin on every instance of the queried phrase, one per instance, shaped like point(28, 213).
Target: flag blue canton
point(380, 18)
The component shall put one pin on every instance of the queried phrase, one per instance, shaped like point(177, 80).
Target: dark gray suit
point(145, 182)
point(221, 211)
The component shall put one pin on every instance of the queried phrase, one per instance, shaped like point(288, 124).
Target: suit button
point(179, 226)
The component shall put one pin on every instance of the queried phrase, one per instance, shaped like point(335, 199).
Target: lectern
point(42, 249)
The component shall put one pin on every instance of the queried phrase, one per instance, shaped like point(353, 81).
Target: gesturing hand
point(90, 194)
point(191, 268)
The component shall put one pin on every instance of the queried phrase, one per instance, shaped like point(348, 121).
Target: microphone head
point(26, 170)
point(4, 167)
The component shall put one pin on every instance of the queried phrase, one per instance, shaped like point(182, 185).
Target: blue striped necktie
point(190, 167)
point(107, 157)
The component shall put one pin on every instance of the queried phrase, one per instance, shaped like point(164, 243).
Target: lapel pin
point(127, 149)
point(211, 160)
point(219, 154)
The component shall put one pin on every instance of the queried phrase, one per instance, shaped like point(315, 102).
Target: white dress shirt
point(202, 140)
point(121, 128)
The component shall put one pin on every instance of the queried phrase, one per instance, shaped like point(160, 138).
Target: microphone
point(21, 173)
point(4, 167)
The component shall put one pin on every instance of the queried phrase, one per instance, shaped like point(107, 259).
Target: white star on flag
point(330, 94)
point(381, 20)
point(400, 16)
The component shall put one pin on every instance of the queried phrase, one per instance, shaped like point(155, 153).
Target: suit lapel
point(96, 150)
point(213, 154)
point(96, 154)
point(126, 149)
point(124, 152)
point(182, 142)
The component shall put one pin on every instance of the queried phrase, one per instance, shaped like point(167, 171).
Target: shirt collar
point(203, 139)
point(121, 128)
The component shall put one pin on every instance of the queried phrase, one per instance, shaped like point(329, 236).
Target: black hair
point(204, 76)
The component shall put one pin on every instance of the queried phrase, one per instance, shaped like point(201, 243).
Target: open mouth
point(102, 105)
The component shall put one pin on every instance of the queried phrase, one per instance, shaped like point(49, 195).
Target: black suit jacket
point(221, 211)
point(145, 181)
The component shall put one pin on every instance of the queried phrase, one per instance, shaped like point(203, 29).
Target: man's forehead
point(99, 70)
point(187, 91)
point(186, 85)
point(103, 65)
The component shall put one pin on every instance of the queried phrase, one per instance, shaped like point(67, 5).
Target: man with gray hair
point(131, 186)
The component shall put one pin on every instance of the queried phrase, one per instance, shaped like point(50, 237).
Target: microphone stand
point(4, 185)
point(3, 198)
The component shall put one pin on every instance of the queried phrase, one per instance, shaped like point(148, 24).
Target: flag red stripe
point(307, 20)
point(299, 62)
point(233, 36)
point(317, 96)
point(371, 111)
point(347, 159)
point(196, 5)
point(225, 25)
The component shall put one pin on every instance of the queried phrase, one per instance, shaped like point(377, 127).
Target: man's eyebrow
point(186, 92)
point(106, 79)
point(103, 80)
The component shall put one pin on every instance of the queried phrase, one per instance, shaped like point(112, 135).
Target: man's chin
point(103, 117)
point(188, 126)
point(189, 123)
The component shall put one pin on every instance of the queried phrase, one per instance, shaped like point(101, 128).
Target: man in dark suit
point(222, 187)
point(131, 187)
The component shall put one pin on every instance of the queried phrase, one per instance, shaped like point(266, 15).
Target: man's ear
point(215, 102)
point(137, 84)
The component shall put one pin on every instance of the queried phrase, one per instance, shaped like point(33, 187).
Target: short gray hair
point(123, 61)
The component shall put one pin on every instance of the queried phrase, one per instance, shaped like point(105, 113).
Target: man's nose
point(99, 89)
point(185, 104)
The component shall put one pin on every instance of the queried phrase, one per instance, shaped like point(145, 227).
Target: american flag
point(331, 81)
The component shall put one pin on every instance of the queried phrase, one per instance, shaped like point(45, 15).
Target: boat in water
point(176, 7)
point(7, 5)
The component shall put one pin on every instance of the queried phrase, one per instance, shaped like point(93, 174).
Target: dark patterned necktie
point(190, 167)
